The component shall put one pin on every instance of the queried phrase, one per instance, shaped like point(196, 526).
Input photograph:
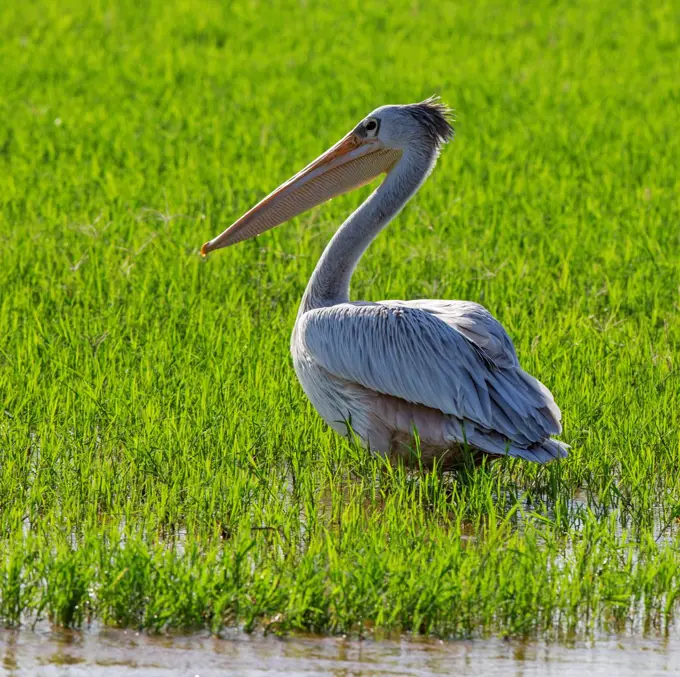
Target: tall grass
point(161, 468)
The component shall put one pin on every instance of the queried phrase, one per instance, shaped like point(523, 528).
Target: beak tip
point(205, 249)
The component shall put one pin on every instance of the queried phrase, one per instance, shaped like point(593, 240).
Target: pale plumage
point(451, 357)
point(447, 369)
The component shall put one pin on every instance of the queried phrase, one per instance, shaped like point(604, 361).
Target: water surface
point(105, 653)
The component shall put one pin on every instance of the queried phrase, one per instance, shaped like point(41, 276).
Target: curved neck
point(329, 284)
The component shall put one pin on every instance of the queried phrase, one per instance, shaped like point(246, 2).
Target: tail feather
point(542, 452)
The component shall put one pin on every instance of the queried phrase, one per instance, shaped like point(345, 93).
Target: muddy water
point(109, 653)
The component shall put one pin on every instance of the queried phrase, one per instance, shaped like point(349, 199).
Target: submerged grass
point(159, 464)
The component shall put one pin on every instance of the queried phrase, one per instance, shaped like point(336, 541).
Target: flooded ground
point(105, 653)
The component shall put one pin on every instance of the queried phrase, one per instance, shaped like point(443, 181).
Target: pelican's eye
point(371, 126)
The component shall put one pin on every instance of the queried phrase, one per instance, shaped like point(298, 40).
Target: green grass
point(160, 466)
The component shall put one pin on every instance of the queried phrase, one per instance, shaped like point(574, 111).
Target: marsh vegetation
point(160, 467)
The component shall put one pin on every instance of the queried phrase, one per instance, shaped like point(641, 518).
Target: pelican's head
point(421, 127)
point(372, 148)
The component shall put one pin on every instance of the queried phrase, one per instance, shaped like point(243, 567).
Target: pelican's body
point(444, 370)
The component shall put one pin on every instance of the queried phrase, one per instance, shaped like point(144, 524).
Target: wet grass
point(159, 464)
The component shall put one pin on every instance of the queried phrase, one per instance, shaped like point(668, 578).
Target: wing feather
point(447, 355)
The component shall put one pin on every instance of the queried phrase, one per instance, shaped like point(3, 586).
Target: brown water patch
point(105, 653)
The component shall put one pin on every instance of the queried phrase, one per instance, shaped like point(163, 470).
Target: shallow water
point(105, 653)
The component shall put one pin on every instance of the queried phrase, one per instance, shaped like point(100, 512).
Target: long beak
point(349, 164)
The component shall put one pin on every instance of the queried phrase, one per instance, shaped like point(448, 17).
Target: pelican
point(441, 377)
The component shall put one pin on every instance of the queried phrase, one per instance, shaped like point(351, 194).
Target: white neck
point(329, 284)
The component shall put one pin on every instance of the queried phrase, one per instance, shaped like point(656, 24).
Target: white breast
point(338, 402)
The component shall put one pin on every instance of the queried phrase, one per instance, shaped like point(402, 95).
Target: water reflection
point(103, 652)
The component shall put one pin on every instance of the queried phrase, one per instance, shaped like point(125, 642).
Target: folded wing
point(448, 355)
